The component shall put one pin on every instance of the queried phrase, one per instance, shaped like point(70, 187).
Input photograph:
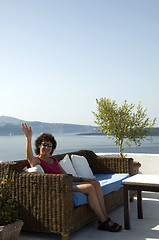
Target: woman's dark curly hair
point(42, 138)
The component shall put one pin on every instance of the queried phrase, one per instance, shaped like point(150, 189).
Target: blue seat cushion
point(108, 182)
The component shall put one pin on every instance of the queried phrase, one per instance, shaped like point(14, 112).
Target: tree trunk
point(121, 148)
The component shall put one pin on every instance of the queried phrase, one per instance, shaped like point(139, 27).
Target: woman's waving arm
point(29, 153)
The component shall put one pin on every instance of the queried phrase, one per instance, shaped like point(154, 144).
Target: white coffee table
point(139, 183)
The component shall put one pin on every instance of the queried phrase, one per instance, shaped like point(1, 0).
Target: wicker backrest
point(97, 164)
point(20, 164)
point(8, 168)
point(100, 164)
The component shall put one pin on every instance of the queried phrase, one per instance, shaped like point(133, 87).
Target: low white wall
point(149, 162)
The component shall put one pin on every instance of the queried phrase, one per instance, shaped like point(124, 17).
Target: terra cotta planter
point(11, 231)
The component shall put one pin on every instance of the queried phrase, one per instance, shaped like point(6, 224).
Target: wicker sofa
point(45, 201)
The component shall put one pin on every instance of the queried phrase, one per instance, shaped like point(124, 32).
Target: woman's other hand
point(26, 130)
point(88, 180)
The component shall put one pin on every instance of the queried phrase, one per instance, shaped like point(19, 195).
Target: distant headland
point(12, 126)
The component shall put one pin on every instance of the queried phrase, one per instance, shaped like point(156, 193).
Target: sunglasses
point(46, 145)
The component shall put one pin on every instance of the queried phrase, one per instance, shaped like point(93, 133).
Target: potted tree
point(10, 226)
point(124, 124)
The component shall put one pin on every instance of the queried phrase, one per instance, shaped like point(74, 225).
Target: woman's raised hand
point(26, 130)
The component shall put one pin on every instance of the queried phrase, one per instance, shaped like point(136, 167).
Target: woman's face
point(45, 148)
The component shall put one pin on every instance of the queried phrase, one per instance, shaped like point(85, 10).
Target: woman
point(45, 145)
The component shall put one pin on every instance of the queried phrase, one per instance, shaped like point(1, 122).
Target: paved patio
point(141, 229)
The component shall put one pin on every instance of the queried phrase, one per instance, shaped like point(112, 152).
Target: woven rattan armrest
point(45, 201)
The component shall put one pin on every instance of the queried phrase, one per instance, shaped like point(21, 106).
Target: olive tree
point(122, 123)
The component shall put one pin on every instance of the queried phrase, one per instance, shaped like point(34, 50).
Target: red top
point(51, 167)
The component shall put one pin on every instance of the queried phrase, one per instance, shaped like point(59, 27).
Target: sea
point(12, 148)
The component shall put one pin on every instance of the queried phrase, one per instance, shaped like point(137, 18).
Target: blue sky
point(58, 56)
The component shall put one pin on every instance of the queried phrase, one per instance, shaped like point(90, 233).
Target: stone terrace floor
point(141, 229)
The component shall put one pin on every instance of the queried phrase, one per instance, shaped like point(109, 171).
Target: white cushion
point(66, 164)
point(37, 169)
point(81, 166)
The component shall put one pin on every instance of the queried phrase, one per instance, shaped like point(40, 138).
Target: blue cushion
point(108, 182)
